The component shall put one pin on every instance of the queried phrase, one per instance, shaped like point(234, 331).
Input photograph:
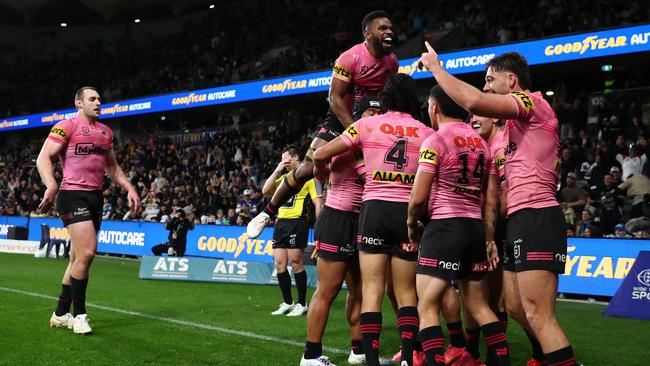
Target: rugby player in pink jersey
point(85, 149)
point(358, 72)
point(450, 179)
point(535, 230)
point(335, 236)
point(390, 144)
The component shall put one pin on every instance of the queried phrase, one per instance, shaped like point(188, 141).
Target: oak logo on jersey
point(469, 142)
point(59, 132)
point(428, 156)
point(524, 100)
point(341, 71)
point(351, 132)
point(393, 177)
point(399, 130)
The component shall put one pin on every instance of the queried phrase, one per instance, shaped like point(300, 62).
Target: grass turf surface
point(144, 339)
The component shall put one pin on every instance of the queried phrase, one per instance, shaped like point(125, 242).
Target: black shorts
point(331, 127)
point(537, 239)
point(382, 229)
point(453, 248)
point(335, 234)
point(78, 206)
point(290, 234)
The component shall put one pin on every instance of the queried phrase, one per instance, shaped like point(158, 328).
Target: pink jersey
point(366, 73)
point(497, 168)
point(84, 157)
point(346, 182)
point(390, 143)
point(531, 151)
point(459, 158)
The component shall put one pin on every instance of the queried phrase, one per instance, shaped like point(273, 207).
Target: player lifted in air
point(535, 232)
point(358, 72)
point(85, 148)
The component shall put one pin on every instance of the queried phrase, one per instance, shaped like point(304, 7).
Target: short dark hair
point(512, 62)
point(447, 105)
point(79, 95)
point(181, 212)
point(375, 14)
point(292, 150)
point(400, 95)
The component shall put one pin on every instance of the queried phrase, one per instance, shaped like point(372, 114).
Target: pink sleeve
point(344, 67)
point(525, 105)
point(429, 155)
point(352, 135)
point(61, 132)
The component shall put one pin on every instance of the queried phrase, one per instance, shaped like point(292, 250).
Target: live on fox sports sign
point(593, 266)
point(557, 49)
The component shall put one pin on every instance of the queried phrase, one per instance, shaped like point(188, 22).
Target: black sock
point(496, 343)
point(65, 300)
point(503, 318)
point(78, 288)
point(408, 323)
point(270, 209)
point(301, 284)
point(471, 346)
point(357, 346)
point(417, 345)
point(538, 354)
point(561, 357)
point(284, 280)
point(456, 335)
point(313, 350)
point(370, 331)
point(433, 342)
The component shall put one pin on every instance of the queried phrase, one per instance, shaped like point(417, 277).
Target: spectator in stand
point(221, 219)
point(619, 233)
point(246, 200)
point(616, 175)
point(572, 197)
point(609, 214)
point(570, 231)
point(632, 164)
point(107, 210)
point(636, 187)
point(232, 217)
point(584, 223)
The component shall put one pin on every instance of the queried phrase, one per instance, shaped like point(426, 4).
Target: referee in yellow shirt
point(291, 232)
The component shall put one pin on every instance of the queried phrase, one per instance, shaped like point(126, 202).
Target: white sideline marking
point(181, 322)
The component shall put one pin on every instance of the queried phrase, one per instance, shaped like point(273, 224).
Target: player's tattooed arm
point(338, 92)
point(490, 211)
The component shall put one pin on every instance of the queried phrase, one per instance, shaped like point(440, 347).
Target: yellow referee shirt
point(296, 207)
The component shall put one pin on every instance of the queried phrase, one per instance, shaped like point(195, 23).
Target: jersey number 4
point(477, 173)
point(396, 155)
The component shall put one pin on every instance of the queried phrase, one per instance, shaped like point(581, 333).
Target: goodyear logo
point(59, 233)
point(54, 117)
point(235, 246)
point(16, 123)
point(115, 109)
point(411, 68)
point(287, 84)
point(590, 43)
point(393, 177)
point(341, 71)
point(524, 100)
point(351, 132)
point(591, 266)
point(428, 156)
point(191, 98)
point(60, 132)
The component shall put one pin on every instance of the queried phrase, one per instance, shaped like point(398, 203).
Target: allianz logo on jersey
point(171, 267)
point(228, 269)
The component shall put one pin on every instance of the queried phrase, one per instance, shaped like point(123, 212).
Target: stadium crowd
point(223, 46)
point(216, 174)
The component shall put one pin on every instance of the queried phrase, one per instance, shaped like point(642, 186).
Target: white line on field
point(181, 322)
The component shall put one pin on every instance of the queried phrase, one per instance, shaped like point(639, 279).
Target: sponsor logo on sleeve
point(58, 132)
point(428, 155)
point(524, 100)
point(352, 132)
point(340, 71)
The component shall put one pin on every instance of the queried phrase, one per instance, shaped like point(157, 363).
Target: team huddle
point(414, 211)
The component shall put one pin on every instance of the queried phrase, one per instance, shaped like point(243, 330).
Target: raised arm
point(467, 96)
point(117, 175)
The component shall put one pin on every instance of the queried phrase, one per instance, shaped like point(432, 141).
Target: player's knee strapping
point(309, 156)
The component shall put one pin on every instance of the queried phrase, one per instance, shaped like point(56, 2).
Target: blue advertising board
point(593, 266)
point(557, 49)
point(9, 221)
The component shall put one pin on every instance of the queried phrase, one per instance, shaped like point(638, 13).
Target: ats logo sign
point(170, 267)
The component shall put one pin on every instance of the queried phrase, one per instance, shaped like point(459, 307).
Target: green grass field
point(139, 322)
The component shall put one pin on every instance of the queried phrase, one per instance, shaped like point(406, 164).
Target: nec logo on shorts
point(372, 241)
point(87, 148)
point(432, 262)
